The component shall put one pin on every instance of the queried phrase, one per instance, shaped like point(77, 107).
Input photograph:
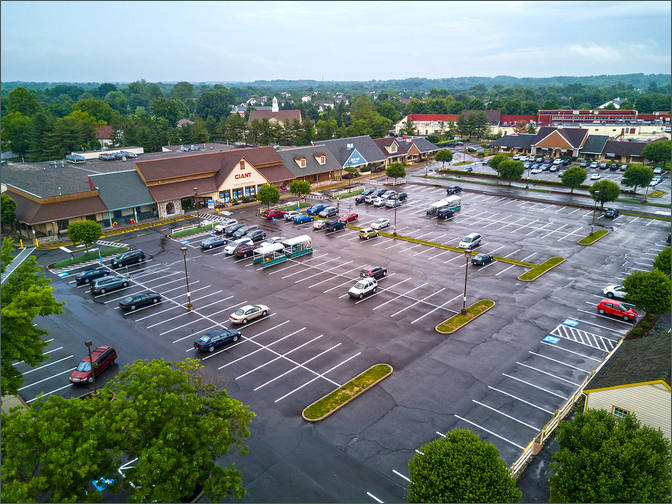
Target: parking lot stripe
point(323, 271)
point(346, 282)
point(538, 229)
point(279, 356)
point(400, 475)
point(606, 318)
point(331, 278)
point(240, 303)
point(571, 233)
point(374, 497)
point(188, 312)
point(577, 210)
point(438, 307)
point(400, 295)
point(411, 248)
point(554, 231)
point(510, 223)
point(521, 400)
point(560, 209)
point(259, 349)
point(490, 432)
point(47, 378)
point(162, 311)
point(546, 373)
point(534, 386)
point(419, 301)
point(144, 288)
point(558, 362)
point(458, 256)
point(245, 338)
point(570, 351)
point(325, 262)
point(533, 427)
point(440, 254)
point(300, 366)
point(315, 378)
point(505, 269)
point(47, 365)
point(69, 385)
point(193, 291)
point(297, 263)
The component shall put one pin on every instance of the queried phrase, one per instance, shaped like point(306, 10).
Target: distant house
point(356, 151)
point(274, 114)
point(105, 135)
point(323, 105)
point(182, 122)
point(305, 99)
point(419, 149)
point(239, 109)
point(635, 378)
point(426, 124)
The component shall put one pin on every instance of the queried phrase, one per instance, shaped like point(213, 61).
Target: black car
point(566, 162)
point(444, 213)
point(233, 228)
point(360, 199)
point(129, 257)
point(481, 259)
point(611, 213)
point(453, 190)
point(256, 235)
point(87, 276)
point(214, 339)
point(244, 250)
point(613, 167)
point(244, 230)
point(376, 272)
point(402, 196)
point(333, 226)
point(139, 300)
point(367, 192)
point(213, 241)
point(603, 166)
point(380, 192)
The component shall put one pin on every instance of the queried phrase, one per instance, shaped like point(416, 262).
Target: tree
point(409, 128)
point(9, 210)
point(182, 91)
point(661, 262)
point(510, 170)
point(604, 191)
point(637, 175)
point(603, 460)
point(433, 138)
point(177, 426)
point(658, 152)
point(495, 161)
point(16, 128)
point(395, 171)
point(268, 194)
point(648, 290)
point(445, 156)
point(22, 101)
point(171, 110)
point(531, 129)
point(26, 294)
point(299, 188)
point(215, 102)
point(574, 177)
point(460, 468)
point(60, 466)
point(84, 231)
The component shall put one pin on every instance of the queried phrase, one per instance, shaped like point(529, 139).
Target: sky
point(245, 41)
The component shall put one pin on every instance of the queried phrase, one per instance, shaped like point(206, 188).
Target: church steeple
point(274, 107)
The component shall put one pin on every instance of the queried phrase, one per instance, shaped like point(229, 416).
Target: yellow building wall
point(614, 130)
point(650, 403)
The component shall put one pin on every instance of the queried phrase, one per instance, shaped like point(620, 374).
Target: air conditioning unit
point(350, 146)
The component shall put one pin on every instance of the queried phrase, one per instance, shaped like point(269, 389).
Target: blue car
point(214, 339)
point(315, 209)
point(301, 218)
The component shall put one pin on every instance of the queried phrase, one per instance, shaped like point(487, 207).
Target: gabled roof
point(104, 132)
point(574, 136)
point(624, 148)
point(422, 144)
point(364, 145)
point(522, 141)
point(494, 116)
point(120, 190)
point(433, 117)
point(177, 190)
point(382, 143)
point(594, 144)
point(312, 166)
point(635, 361)
point(281, 115)
point(32, 212)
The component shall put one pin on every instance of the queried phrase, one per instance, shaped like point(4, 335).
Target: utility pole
point(466, 271)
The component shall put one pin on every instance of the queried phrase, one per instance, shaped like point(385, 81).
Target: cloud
point(593, 51)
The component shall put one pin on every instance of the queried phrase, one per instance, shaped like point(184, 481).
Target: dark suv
point(244, 250)
point(129, 257)
point(244, 230)
point(108, 283)
point(89, 275)
point(256, 235)
point(214, 339)
point(233, 228)
point(376, 272)
point(453, 190)
point(444, 213)
point(333, 226)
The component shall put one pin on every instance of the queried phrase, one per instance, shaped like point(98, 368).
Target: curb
point(436, 328)
point(540, 274)
point(594, 241)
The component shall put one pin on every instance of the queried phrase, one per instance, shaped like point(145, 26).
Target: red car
point(102, 358)
point(613, 307)
point(273, 213)
point(349, 217)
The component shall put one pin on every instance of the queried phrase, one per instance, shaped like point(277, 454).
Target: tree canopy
point(658, 152)
point(602, 460)
point(395, 171)
point(8, 210)
point(637, 176)
point(604, 191)
point(268, 194)
point(84, 231)
point(662, 261)
point(445, 156)
point(299, 188)
point(648, 290)
point(573, 177)
point(510, 170)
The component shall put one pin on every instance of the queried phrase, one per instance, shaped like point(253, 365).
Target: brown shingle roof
point(386, 142)
point(624, 148)
point(281, 115)
point(177, 190)
point(31, 212)
point(573, 135)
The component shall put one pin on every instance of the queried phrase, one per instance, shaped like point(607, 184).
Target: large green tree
point(637, 176)
point(648, 290)
point(445, 156)
point(84, 231)
point(602, 460)
point(22, 101)
point(510, 170)
point(299, 188)
point(182, 90)
point(495, 161)
point(409, 128)
point(395, 171)
point(9, 210)
point(662, 261)
point(214, 102)
point(16, 130)
point(26, 294)
point(460, 468)
point(573, 177)
point(604, 191)
point(658, 152)
point(268, 194)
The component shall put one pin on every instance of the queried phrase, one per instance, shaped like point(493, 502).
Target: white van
point(470, 241)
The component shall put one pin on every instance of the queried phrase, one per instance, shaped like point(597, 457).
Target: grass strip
point(458, 320)
point(542, 268)
point(351, 193)
point(460, 163)
point(187, 232)
point(657, 217)
point(590, 239)
point(338, 398)
point(656, 194)
point(89, 255)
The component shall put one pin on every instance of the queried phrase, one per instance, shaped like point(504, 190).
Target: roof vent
point(349, 146)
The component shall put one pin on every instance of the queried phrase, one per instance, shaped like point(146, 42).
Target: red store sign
point(242, 175)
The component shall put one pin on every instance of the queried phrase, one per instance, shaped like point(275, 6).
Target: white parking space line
point(167, 309)
point(606, 318)
point(245, 338)
point(401, 475)
point(259, 349)
point(315, 378)
point(438, 307)
point(47, 378)
point(490, 432)
point(47, 365)
point(331, 278)
point(533, 385)
point(554, 231)
point(650, 222)
point(280, 356)
point(558, 361)
point(539, 228)
point(69, 385)
point(458, 256)
point(572, 352)
point(240, 303)
point(521, 400)
point(374, 498)
point(439, 254)
point(412, 247)
point(633, 220)
point(547, 373)
point(43, 353)
point(342, 284)
point(144, 288)
point(400, 295)
point(577, 210)
point(533, 427)
point(187, 312)
point(505, 270)
point(328, 270)
point(560, 209)
point(419, 301)
point(571, 233)
point(297, 263)
point(321, 264)
point(510, 223)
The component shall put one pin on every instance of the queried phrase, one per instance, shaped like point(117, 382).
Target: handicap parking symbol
point(185, 242)
point(551, 339)
point(63, 274)
point(571, 322)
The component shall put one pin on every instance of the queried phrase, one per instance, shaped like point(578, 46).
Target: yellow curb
point(540, 274)
point(303, 415)
point(436, 328)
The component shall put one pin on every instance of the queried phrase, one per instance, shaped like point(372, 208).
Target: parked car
point(545, 167)
point(229, 230)
point(329, 211)
point(655, 181)
point(380, 223)
point(101, 358)
point(594, 165)
point(244, 250)
point(246, 313)
point(611, 213)
point(380, 192)
point(376, 272)
point(595, 176)
point(557, 161)
point(603, 166)
point(291, 214)
point(367, 233)
point(108, 283)
point(614, 291)
point(623, 167)
point(470, 241)
point(388, 194)
point(87, 276)
point(272, 240)
point(539, 159)
point(221, 226)
point(132, 256)
point(583, 164)
point(244, 231)
point(274, 213)
point(535, 171)
point(319, 224)
point(139, 300)
point(402, 196)
point(367, 192)
point(302, 218)
point(377, 202)
point(256, 235)
point(333, 226)
point(230, 249)
point(453, 190)
point(468, 168)
point(213, 241)
point(363, 287)
point(444, 213)
point(349, 217)
point(316, 209)
point(481, 259)
point(617, 309)
point(360, 199)
point(613, 167)
point(553, 168)
point(658, 170)
point(566, 162)
point(369, 198)
point(392, 203)
point(215, 339)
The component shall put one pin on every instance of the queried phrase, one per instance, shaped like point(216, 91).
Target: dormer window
point(301, 161)
point(321, 158)
point(242, 164)
point(393, 147)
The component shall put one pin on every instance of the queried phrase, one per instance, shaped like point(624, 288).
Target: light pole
point(93, 374)
point(395, 220)
point(186, 278)
point(196, 207)
point(466, 271)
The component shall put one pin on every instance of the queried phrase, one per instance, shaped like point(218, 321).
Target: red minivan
point(102, 358)
point(617, 308)
point(274, 213)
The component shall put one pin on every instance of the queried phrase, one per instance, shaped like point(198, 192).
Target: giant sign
point(239, 176)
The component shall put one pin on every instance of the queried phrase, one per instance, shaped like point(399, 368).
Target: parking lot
point(502, 376)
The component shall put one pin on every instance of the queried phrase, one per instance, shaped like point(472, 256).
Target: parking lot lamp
point(186, 278)
point(466, 271)
point(395, 221)
point(93, 376)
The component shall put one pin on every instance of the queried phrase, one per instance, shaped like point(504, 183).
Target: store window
point(63, 225)
point(619, 414)
point(250, 191)
point(225, 196)
point(314, 178)
point(237, 194)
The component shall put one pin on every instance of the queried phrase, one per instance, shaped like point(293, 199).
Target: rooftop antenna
point(60, 193)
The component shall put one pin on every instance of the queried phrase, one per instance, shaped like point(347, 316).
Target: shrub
point(636, 331)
